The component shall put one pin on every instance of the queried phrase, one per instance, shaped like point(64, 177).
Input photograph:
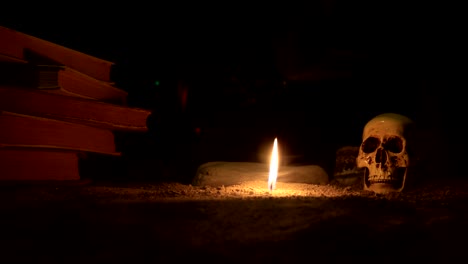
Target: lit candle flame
point(273, 167)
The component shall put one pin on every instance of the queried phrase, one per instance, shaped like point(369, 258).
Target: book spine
point(28, 131)
point(14, 44)
point(29, 165)
point(73, 109)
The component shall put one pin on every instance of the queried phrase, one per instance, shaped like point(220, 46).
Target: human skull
point(384, 153)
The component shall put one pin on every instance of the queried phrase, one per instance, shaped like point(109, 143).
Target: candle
point(249, 177)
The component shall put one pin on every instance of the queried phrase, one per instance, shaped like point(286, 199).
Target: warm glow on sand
point(273, 167)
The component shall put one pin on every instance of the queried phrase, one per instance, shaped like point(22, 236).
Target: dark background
point(311, 75)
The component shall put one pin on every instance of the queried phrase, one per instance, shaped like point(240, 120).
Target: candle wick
point(271, 186)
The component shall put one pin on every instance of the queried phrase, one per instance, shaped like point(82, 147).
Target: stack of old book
point(57, 105)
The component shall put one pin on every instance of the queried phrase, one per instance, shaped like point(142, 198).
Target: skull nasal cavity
point(381, 156)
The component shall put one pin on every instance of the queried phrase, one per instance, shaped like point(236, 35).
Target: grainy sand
point(134, 222)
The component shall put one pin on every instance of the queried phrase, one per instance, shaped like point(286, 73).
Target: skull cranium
point(384, 153)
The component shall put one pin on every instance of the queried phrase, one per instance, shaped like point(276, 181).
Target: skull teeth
point(382, 179)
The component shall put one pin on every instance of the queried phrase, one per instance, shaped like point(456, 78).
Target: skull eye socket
point(370, 144)
point(394, 144)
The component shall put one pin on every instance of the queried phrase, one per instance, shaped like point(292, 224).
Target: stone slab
point(221, 173)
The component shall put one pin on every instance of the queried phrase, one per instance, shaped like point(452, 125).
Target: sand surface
point(99, 222)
